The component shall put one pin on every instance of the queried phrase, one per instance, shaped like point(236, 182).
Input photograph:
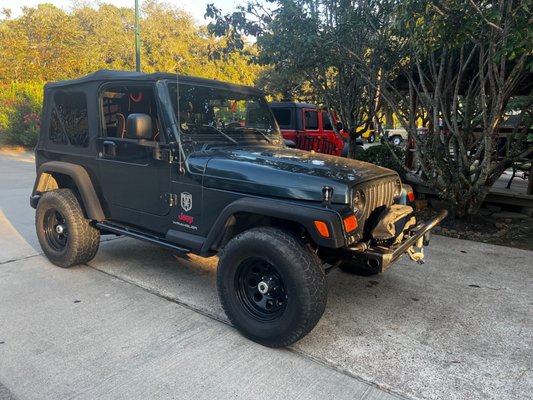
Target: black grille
point(379, 193)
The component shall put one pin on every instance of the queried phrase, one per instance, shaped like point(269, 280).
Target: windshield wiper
point(255, 130)
point(221, 132)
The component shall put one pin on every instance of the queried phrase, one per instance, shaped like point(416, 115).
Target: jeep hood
point(287, 173)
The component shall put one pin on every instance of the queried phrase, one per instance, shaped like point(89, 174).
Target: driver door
point(134, 179)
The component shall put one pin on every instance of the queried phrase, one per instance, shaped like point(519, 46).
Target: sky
point(194, 7)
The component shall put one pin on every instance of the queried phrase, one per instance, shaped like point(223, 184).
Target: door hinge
point(171, 199)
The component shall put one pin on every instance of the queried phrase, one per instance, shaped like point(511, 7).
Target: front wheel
point(271, 286)
point(372, 138)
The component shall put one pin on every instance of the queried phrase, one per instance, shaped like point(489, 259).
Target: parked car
point(367, 133)
point(307, 127)
point(199, 166)
point(395, 136)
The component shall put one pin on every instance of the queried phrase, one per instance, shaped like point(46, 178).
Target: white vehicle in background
point(395, 136)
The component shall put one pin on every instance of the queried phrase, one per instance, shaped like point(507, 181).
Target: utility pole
point(137, 39)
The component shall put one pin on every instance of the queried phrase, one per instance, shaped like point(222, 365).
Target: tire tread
point(302, 257)
point(84, 239)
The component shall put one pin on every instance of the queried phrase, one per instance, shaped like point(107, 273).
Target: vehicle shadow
point(188, 280)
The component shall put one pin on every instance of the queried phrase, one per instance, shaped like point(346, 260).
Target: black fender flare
point(303, 215)
point(83, 182)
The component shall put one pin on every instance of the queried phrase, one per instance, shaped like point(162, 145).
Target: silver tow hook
point(417, 256)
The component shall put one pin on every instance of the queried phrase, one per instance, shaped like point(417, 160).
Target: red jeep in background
point(305, 126)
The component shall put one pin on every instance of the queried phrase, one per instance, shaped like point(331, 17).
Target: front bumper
point(380, 258)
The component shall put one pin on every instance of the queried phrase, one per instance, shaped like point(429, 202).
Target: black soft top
point(101, 76)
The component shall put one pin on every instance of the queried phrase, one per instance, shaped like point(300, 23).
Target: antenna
point(178, 97)
point(137, 39)
point(180, 148)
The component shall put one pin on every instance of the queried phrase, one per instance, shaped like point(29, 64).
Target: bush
point(20, 107)
point(356, 151)
point(382, 155)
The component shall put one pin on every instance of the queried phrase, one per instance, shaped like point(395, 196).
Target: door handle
point(110, 149)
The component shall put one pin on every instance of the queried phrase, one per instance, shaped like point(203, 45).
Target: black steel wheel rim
point(55, 229)
point(260, 289)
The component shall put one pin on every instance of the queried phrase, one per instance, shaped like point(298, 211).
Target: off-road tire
point(299, 271)
point(81, 240)
point(396, 140)
point(357, 267)
point(371, 138)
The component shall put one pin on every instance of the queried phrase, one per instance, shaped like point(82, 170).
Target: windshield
point(211, 116)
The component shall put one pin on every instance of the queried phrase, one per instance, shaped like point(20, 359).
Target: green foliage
point(20, 113)
point(382, 155)
point(46, 44)
point(462, 63)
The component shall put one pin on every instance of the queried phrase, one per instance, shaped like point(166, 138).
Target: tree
point(454, 65)
point(47, 43)
point(458, 66)
point(303, 43)
point(39, 43)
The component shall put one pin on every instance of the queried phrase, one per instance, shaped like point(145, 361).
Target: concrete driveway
point(148, 324)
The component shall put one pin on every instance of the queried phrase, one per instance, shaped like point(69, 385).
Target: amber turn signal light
point(322, 228)
point(350, 223)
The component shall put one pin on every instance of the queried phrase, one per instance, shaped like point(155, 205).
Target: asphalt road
point(140, 322)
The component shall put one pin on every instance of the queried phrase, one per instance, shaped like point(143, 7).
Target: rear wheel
point(65, 235)
point(271, 286)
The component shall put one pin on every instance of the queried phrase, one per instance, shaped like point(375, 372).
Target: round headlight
point(358, 202)
point(397, 189)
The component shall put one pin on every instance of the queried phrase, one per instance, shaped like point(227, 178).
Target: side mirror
point(340, 127)
point(139, 126)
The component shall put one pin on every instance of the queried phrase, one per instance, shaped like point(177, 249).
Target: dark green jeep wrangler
point(199, 166)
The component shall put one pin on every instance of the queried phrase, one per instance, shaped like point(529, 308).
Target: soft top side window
point(69, 122)
point(118, 102)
